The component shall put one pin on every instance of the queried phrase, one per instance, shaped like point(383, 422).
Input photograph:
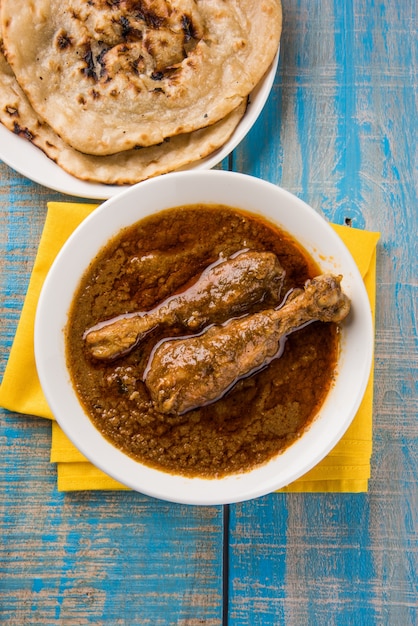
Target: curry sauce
point(257, 418)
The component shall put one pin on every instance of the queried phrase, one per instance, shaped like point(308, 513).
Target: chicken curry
point(181, 340)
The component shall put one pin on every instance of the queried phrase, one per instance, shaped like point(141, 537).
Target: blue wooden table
point(339, 131)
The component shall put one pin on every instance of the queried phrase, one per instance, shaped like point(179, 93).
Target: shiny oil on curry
point(262, 414)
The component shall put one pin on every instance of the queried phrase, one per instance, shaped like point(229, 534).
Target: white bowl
point(247, 193)
point(25, 158)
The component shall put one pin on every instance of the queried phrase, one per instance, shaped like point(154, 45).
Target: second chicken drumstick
point(184, 374)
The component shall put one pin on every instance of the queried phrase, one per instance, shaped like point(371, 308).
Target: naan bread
point(109, 76)
point(126, 167)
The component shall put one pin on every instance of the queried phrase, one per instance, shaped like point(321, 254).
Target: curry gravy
point(262, 414)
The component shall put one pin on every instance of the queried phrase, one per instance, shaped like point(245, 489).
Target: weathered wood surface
point(339, 131)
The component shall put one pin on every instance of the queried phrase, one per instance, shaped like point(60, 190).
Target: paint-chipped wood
point(341, 134)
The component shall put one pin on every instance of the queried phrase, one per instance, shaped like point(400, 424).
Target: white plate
point(30, 161)
point(250, 194)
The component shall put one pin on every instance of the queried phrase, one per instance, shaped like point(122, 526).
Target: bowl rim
point(49, 337)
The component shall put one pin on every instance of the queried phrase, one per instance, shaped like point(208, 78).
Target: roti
point(109, 77)
point(128, 167)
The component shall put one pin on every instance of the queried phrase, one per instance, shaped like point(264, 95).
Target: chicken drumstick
point(225, 289)
point(184, 374)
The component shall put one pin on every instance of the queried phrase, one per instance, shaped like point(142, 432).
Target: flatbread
point(110, 76)
point(126, 167)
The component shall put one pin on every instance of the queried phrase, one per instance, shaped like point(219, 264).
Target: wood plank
point(101, 557)
point(95, 557)
point(340, 132)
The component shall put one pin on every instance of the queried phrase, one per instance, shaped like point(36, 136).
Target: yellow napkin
point(345, 469)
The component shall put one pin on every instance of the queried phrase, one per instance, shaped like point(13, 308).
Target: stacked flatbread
point(117, 91)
